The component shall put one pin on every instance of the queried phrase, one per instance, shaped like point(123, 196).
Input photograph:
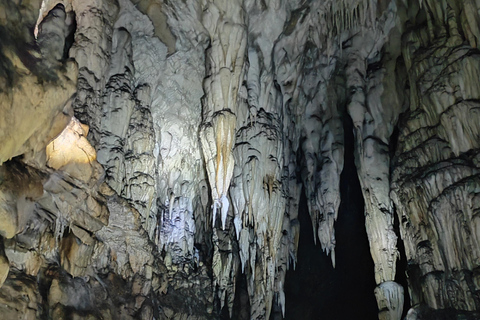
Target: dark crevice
point(401, 272)
point(310, 290)
point(70, 38)
point(241, 302)
point(317, 291)
point(224, 312)
point(354, 262)
point(393, 142)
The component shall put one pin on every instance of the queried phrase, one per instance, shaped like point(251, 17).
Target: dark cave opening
point(315, 290)
point(241, 303)
point(401, 273)
point(70, 34)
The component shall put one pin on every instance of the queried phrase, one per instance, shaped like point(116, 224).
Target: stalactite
point(224, 22)
point(209, 118)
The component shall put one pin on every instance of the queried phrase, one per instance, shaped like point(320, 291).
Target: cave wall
point(153, 152)
point(434, 177)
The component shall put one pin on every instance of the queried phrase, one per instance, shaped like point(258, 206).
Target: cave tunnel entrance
point(317, 291)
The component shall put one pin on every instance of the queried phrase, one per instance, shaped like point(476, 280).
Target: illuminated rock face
point(154, 151)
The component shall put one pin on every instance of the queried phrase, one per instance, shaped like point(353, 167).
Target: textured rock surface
point(435, 180)
point(153, 152)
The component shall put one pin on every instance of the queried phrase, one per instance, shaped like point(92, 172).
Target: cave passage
point(315, 290)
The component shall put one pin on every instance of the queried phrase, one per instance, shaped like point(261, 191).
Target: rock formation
point(154, 152)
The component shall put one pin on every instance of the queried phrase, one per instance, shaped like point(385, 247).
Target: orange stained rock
point(71, 146)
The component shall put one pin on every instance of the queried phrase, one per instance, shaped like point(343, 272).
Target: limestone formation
point(435, 180)
point(154, 153)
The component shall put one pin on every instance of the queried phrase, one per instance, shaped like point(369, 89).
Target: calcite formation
point(435, 176)
point(154, 152)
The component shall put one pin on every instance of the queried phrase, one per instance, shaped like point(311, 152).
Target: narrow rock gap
point(70, 38)
point(310, 289)
point(241, 303)
point(317, 291)
point(355, 266)
point(401, 273)
point(402, 263)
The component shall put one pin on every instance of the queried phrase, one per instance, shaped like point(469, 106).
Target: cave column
point(372, 162)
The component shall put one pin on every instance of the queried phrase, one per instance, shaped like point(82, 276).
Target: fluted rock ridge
point(154, 152)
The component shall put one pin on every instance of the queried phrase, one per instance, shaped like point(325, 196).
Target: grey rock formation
point(154, 151)
point(435, 177)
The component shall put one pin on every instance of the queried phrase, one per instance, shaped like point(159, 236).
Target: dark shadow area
point(241, 303)
point(401, 273)
point(317, 291)
point(70, 38)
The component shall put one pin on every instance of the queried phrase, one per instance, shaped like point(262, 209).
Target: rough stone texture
point(20, 297)
point(152, 151)
point(435, 180)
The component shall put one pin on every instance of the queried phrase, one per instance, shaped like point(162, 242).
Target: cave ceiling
point(154, 153)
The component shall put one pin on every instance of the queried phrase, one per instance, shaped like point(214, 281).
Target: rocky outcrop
point(154, 152)
point(35, 91)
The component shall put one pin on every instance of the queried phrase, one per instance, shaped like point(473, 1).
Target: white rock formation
point(435, 180)
point(154, 151)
